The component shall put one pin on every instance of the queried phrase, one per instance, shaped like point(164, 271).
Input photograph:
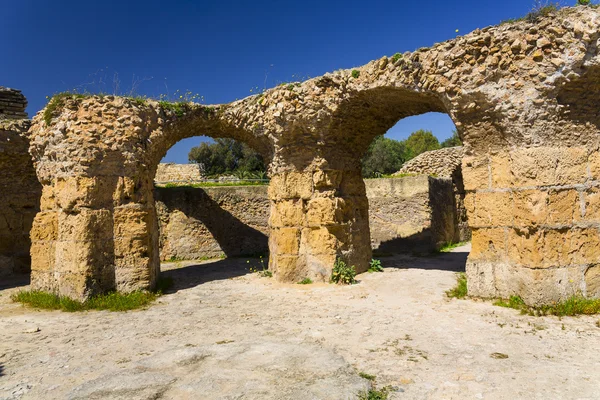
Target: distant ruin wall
point(12, 104)
point(445, 163)
point(20, 194)
point(405, 214)
point(168, 172)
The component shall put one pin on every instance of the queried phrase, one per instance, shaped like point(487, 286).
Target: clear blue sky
point(220, 49)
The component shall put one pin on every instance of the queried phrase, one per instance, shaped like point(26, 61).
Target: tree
point(452, 141)
point(226, 156)
point(419, 142)
point(384, 156)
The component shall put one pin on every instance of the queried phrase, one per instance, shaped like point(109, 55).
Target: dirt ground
point(223, 333)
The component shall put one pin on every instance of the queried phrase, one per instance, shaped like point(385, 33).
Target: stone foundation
point(169, 172)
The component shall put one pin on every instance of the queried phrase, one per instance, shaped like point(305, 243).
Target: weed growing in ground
point(260, 269)
point(112, 301)
point(575, 305)
point(375, 266)
point(305, 281)
point(460, 290)
point(343, 274)
point(374, 394)
point(366, 376)
point(448, 247)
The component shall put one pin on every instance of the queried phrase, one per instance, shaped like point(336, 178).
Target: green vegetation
point(227, 156)
point(343, 274)
point(374, 394)
point(367, 376)
point(448, 247)
point(460, 290)
point(355, 73)
point(576, 305)
point(261, 268)
point(539, 10)
point(178, 108)
point(421, 141)
point(112, 301)
point(375, 266)
point(305, 281)
point(396, 57)
point(584, 2)
point(452, 141)
point(384, 156)
point(57, 102)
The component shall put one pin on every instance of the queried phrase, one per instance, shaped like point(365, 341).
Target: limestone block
point(324, 240)
point(543, 166)
point(352, 184)
point(530, 207)
point(585, 246)
point(476, 174)
point(488, 243)
point(80, 191)
point(291, 185)
point(48, 201)
point(572, 165)
point(592, 281)
point(87, 225)
point(287, 213)
point(45, 226)
point(43, 256)
point(557, 248)
point(493, 209)
point(132, 222)
point(288, 268)
point(287, 240)
point(563, 207)
point(594, 163)
point(327, 179)
point(592, 206)
point(526, 247)
point(500, 166)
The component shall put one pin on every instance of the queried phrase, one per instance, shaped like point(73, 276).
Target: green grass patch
point(396, 57)
point(374, 394)
point(367, 376)
point(355, 73)
point(305, 281)
point(112, 301)
point(178, 108)
point(460, 290)
point(448, 247)
point(56, 104)
point(575, 305)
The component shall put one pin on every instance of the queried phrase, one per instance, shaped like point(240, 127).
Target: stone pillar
point(535, 214)
point(317, 215)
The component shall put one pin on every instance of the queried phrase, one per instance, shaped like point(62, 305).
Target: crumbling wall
point(12, 104)
point(170, 172)
point(445, 163)
point(404, 214)
point(20, 194)
point(413, 213)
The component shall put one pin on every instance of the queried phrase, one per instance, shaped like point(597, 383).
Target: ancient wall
point(170, 172)
point(445, 163)
point(12, 104)
point(211, 222)
point(405, 214)
point(20, 194)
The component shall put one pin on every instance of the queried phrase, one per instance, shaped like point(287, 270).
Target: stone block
point(594, 163)
point(563, 207)
point(592, 206)
point(327, 179)
point(45, 226)
point(493, 209)
point(488, 243)
point(87, 225)
point(48, 201)
point(500, 167)
point(572, 165)
point(43, 256)
point(592, 281)
point(526, 247)
point(556, 248)
point(133, 222)
point(287, 240)
point(476, 174)
point(287, 213)
point(585, 246)
point(530, 207)
point(80, 191)
point(324, 240)
point(542, 166)
point(291, 185)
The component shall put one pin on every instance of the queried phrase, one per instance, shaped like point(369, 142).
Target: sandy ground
point(223, 333)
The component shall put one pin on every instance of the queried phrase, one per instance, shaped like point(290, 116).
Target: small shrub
point(56, 104)
point(367, 376)
point(375, 266)
point(584, 2)
point(343, 274)
point(178, 109)
point(396, 57)
point(261, 269)
point(374, 394)
point(460, 290)
point(305, 281)
point(355, 73)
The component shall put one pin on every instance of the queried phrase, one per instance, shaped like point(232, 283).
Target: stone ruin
point(523, 96)
point(12, 104)
point(445, 163)
point(170, 172)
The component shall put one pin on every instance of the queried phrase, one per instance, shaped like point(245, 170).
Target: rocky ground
point(223, 333)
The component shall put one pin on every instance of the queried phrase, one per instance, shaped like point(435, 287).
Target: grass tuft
point(375, 266)
point(355, 73)
point(576, 305)
point(460, 290)
point(374, 394)
point(367, 376)
point(305, 281)
point(448, 247)
point(56, 103)
point(112, 301)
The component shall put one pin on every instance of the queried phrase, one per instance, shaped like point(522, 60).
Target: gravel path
point(225, 334)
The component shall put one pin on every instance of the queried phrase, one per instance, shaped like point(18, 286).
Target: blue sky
point(220, 49)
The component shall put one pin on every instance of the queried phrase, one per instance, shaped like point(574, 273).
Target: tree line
point(384, 156)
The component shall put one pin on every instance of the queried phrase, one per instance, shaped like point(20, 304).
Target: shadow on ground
point(14, 281)
point(196, 274)
point(453, 261)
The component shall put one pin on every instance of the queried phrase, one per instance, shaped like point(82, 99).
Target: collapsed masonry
point(524, 98)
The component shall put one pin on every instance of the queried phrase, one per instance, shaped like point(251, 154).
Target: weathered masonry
point(19, 189)
point(523, 96)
